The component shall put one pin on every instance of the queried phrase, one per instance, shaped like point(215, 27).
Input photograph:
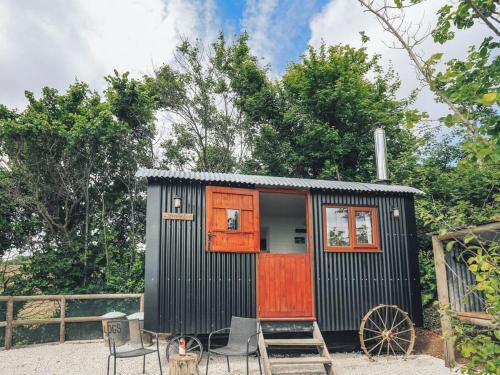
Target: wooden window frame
point(353, 247)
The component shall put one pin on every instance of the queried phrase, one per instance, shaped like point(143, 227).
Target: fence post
point(9, 317)
point(62, 327)
point(141, 302)
point(444, 300)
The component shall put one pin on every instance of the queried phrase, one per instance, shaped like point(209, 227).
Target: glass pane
point(233, 219)
point(364, 233)
point(337, 226)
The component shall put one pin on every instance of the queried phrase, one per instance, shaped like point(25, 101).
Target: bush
point(432, 319)
point(427, 278)
point(481, 345)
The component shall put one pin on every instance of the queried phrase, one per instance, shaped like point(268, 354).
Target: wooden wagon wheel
point(193, 345)
point(386, 330)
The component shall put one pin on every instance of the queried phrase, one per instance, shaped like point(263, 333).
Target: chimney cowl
point(381, 156)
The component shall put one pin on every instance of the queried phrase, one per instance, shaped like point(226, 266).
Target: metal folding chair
point(243, 337)
point(114, 328)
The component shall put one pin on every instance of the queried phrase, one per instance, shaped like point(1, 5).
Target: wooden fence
point(10, 322)
point(477, 317)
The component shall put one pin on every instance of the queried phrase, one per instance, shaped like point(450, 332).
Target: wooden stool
point(183, 364)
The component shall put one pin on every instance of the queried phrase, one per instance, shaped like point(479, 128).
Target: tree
point(325, 114)
point(70, 165)
point(204, 94)
point(463, 14)
point(467, 192)
point(456, 189)
point(469, 88)
point(473, 84)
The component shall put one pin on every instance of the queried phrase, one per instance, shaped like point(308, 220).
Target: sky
point(56, 42)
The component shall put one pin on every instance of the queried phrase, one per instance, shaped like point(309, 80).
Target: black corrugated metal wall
point(349, 284)
point(460, 281)
point(189, 290)
point(197, 291)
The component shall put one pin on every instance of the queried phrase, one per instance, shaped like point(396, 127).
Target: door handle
point(210, 235)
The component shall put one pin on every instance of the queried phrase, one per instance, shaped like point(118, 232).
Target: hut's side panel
point(152, 261)
point(348, 284)
point(189, 290)
point(460, 280)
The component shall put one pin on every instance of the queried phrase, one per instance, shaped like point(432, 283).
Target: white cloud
point(274, 28)
point(257, 21)
point(42, 45)
point(210, 19)
point(340, 21)
point(53, 43)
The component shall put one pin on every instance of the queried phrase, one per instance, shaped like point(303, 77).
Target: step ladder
point(316, 341)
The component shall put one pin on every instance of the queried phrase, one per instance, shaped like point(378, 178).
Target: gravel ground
point(90, 358)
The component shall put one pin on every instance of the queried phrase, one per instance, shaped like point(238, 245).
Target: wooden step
point(293, 342)
point(286, 326)
point(316, 341)
point(299, 361)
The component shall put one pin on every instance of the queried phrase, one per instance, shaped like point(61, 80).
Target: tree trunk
point(184, 364)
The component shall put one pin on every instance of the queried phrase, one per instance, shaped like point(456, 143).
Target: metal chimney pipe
point(381, 156)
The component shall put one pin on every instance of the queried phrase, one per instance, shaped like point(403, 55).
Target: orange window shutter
point(232, 217)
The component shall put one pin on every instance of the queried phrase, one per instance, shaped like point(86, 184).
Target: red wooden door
point(232, 219)
point(284, 286)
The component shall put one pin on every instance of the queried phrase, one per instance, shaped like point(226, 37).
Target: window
point(364, 233)
point(347, 228)
point(337, 226)
point(233, 219)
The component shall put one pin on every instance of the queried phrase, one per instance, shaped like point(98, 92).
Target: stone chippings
point(82, 358)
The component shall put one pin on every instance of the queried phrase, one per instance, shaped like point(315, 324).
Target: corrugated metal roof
point(271, 181)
